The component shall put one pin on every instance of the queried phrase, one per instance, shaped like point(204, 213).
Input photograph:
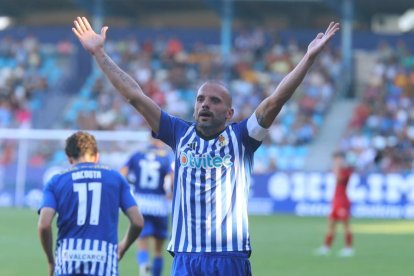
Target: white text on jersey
point(86, 174)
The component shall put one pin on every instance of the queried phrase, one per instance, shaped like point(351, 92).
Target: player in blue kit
point(151, 173)
point(213, 160)
point(87, 198)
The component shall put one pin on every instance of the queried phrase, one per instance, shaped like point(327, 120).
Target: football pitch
point(282, 245)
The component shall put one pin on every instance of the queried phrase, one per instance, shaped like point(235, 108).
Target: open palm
point(90, 40)
point(322, 39)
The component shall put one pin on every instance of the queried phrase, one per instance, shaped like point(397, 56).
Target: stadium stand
point(171, 73)
point(170, 69)
point(30, 72)
point(380, 134)
point(170, 62)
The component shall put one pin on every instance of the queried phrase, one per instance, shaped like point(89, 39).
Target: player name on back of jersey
point(86, 174)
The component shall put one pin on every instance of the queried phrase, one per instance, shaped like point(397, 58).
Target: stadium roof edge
point(36, 12)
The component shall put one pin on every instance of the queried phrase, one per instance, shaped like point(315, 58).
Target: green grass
point(282, 245)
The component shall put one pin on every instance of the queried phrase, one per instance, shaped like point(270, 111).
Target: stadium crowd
point(170, 73)
point(29, 72)
point(380, 136)
point(21, 81)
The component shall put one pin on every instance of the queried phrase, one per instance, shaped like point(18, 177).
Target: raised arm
point(268, 109)
point(125, 85)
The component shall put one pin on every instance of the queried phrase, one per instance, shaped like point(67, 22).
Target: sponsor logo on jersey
point(83, 255)
point(205, 161)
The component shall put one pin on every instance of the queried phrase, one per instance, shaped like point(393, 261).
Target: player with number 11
point(87, 198)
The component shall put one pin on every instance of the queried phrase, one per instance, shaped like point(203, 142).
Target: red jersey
point(340, 197)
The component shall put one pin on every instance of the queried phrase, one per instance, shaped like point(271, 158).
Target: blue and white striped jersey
point(148, 171)
point(87, 198)
point(211, 186)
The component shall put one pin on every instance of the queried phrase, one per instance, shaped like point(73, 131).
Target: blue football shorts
point(155, 227)
point(211, 264)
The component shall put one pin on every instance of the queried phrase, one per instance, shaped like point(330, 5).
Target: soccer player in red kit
point(340, 207)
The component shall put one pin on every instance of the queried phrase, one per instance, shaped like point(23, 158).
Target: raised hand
point(322, 39)
point(90, 40)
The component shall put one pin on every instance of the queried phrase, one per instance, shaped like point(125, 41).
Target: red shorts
point(340, 213)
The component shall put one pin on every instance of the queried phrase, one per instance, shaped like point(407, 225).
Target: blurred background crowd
point(45, 85)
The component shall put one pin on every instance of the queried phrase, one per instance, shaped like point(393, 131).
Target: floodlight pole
point(226, 34)
point(347, 11)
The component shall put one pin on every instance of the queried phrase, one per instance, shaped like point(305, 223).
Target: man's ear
point(230, 113)
point(96, 158)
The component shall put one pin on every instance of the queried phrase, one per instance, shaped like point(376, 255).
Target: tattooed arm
point(267, 110)
point(125, 85)
point(130, 89)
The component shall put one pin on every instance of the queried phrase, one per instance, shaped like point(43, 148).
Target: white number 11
point(82, 190)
